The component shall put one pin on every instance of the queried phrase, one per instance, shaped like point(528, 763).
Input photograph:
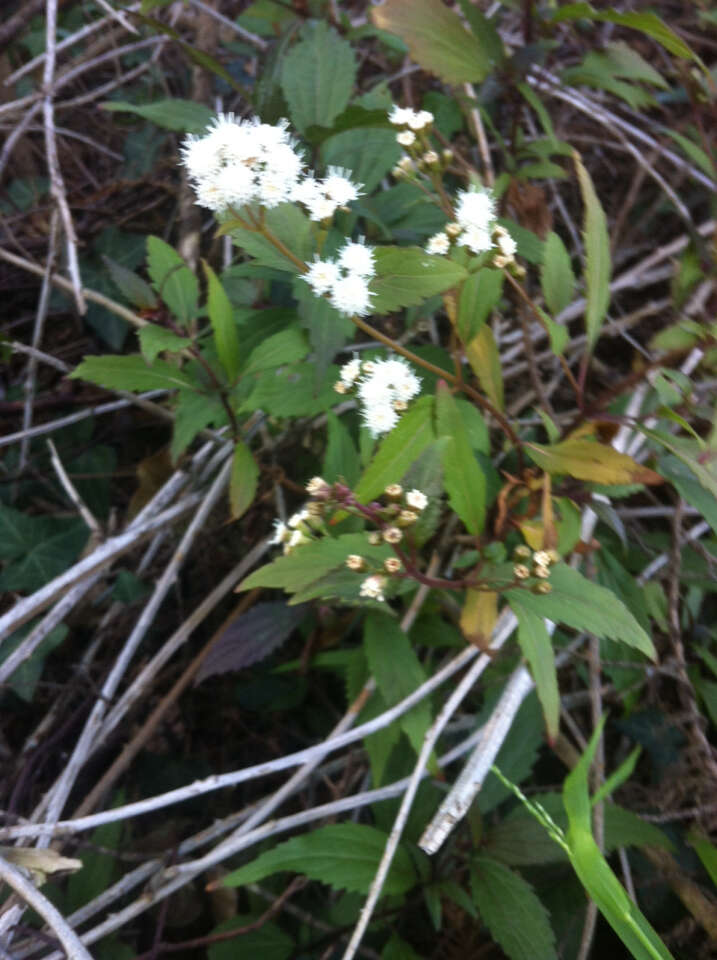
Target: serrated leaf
point(328, 329)
point(131, 373)
point(185, 116)
point(250, 638)
point(597, 256)
point(462, 477)
point(436, 39)
point(583, 605)
point(317, 76)
point(287, 346)
point(508, 906)
point(484, 358)
point(192, 413)
point(153, 340)
point(589, 460)
point(537, 648)
point(398, 450)
point(289, 391)
point(369, 152)
point(344, 855)
point(556, 274)
point(173, 280)
point(286, 222)
point(243, 481)
point(221, 317)
point(396, 668)
point(130, 285)
point(406, 276)
point(479, 296)
point(341, 459)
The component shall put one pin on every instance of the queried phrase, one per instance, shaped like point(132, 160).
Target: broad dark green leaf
point(287, 346)
point(369, 152)
point(185, 116)
point(317, 76)
point(130, 285)
point(192, 413)
point(173, 280)
point(153, 340)
point(285, 222)
point(343, 855)
point(462, 477)
point(479, 296)
point(131, 373)
point(48, 557)
point(328, 329)
point(405, 276)
point(341, 459)
point(290, 392)
point(508, 906)
point(221, 317)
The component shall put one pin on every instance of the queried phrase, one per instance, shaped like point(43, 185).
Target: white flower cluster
point(242, 161)
point(414, 120)
point(384, 388)
point(345, 279)
point(323, 197)
point(475, 227)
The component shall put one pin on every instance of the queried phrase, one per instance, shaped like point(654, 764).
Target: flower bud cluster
point(384, 388)
point(476, 229)
point(300, 528)
point(345, 279)
point(534, 564)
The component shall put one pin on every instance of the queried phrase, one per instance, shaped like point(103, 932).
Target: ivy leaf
point(221, 318)
point(344, 855)
point(131, 373)
point(584, 605)
point(153, 340)
point(589, 460)
point(243, 481)
point(406, 276)
point(317, 76)
point(516, 918)
point(173, 280)
point(398, 450)
point(597, 256)
point(56, 546)
point(462, 477)
point(436, 39)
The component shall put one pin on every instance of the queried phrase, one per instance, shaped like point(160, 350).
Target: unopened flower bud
point(446, 155)
point(499, 261)
point(542, 572)
point(374, 538)
point(368, 366)
point(392, 535)
point(430, 158)
point(542, 558)
point(355, 562)
point(392, 565)
point(520, 571)
point(340, 387)
point(406, 518)
point(393, 490)
point(542, 587)
point(373, 587)
point(522, 552)
point(316, 485)
point(553, 556)
point(453, 229)
point(315, 510)
point(406, 138)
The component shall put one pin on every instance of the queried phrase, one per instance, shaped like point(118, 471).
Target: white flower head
point(475, 209)
point(400, 116)
point(339, 187)
point(281, 533)
point(416, 500)
point(379, 418)
point(405, 138)
point(306, 191)
point(420, 119)
point(200, 157)
point(507, 245)
point(351, 295)
point(438, 244)
point(373, 587)
point(296, 519)
point(322, 275)
point(476, 239)
point(350, 372)
point(357, 258)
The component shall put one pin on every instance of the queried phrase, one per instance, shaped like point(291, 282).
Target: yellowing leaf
point(483, 356)
point(478, 616)
point(589, 460)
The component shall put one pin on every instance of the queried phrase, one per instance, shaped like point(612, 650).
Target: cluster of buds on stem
point(535, 566)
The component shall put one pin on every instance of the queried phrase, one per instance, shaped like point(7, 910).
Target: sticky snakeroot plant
point(427, 480)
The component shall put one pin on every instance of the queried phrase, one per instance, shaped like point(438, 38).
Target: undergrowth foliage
point(424, 418)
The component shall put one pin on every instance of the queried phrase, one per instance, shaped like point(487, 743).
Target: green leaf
point(290, 392)
point(193, 412)
point(398, 672)
point(398, 450)
point(312, 560)
point(405, 276)
point(398, 949)
point(647, 23)
point(369, 152)
point(131, 373)
point(267, 940)
point(287, 346)
point(153, 340)
point(597, 256)
point(60, 544)
point(317, 76)
point(436, 39)
point(25, 678)
point(556, 275)
point(689, 487)
point(18, 532)
point(537, 648)
point(379, 745)
point(479, 296)
point(593, 871)
point(173, 280)
point(516, 918)
point(185, 116)
point(706, 851)
point(583, 605)
point(341, 459)
point(695, 153)
point(462, 477)
point(328, 329)
point(130, 285)
point(483, 356)
point(244, 480)
point(221, 318)
point(344, 855)
point(286, 222)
